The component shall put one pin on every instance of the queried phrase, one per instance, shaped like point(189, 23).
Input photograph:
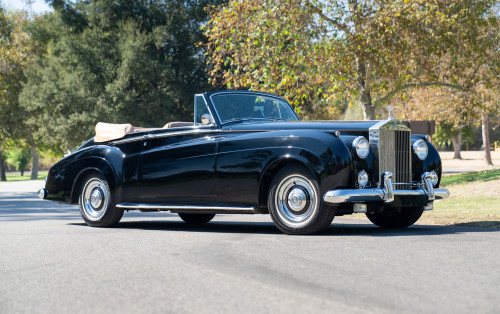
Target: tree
point(16, 54)
point(311, 50)
point(475, 72)
point(19, 158)
point(114, 61)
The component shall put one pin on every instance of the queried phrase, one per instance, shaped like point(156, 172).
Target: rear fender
point(66, 176)
point(95, 165)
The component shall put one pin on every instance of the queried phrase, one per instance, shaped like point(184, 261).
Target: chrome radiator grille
point(391, 143)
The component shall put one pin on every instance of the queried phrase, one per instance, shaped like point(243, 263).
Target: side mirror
point(207, 119)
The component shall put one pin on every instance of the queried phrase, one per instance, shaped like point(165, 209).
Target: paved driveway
point(51, 262)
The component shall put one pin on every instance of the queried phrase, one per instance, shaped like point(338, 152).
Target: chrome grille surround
point(390, 142)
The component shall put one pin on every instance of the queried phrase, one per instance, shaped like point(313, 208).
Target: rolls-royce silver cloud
point(247, 153)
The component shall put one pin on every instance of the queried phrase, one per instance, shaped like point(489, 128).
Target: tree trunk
point(34, 153)
point(2, 168)
point(486, 139)
point(457, 141)
point(364, 91)
point(22, 172)
point(368, 110)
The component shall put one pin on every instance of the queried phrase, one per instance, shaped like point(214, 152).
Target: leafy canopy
point(311, 51)
point(114, 61)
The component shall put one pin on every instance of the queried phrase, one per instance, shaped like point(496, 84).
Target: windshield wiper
point(236, 120)
point(239, 120)
point(273, 118)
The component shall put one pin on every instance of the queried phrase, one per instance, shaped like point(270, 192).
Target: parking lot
point(153, 262)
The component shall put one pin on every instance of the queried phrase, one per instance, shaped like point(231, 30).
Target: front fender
point(325, 155)
point(431, 163)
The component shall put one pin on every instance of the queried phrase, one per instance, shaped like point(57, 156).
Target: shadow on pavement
point(336, 229)
point(495, 224)
point(27, 207)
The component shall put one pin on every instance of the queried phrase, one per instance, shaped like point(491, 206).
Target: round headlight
point(420, 149)
point(434, 178)
point(360, 144)
point(362, 178)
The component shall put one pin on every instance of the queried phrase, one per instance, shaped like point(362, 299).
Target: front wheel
point(396, 218)
point(295, 202)
point(196, 218)
point(95, 202)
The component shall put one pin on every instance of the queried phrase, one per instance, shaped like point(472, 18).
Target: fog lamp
point(362, 178)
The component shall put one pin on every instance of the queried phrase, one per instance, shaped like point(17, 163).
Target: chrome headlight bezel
point(361, 146)
point(420, 149)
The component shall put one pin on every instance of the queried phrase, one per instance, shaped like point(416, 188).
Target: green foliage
point(15, 55)
point(314, 50)
point(445, 131)
point(114, 61)
point(19, 158)
point(480, 176)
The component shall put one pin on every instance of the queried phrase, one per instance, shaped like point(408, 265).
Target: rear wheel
point(397, 218)
point(295, 203)
point(95, 202)
point(196, 218)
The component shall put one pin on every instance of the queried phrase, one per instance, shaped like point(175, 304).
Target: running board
point(188, 208)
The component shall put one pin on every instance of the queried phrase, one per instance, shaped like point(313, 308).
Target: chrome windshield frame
point(218, 119)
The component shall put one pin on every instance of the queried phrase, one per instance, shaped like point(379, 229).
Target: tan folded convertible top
point(109, 131)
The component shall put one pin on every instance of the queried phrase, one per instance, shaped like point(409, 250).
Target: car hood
point(349, 127)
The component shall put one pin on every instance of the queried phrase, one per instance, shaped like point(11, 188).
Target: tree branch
point(349, 78)
point(406, 86)
point(318, 11)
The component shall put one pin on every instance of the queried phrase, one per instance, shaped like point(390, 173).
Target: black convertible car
point(247, 152)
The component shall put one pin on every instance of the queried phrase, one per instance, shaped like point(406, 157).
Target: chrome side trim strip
point(160, 135)
point(128, 205)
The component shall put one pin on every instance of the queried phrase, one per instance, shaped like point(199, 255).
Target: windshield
point(232, 107)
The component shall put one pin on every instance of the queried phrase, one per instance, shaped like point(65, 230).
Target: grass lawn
point(474, 201)
point(16, 176)
point(482, 176)
point(479, 211)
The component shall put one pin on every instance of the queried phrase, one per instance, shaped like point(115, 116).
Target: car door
point(178, 166)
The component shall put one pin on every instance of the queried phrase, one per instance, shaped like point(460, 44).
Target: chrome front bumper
point(387, 192)
point(42, 193)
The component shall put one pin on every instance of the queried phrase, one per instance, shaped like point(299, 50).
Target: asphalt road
point(51, 262)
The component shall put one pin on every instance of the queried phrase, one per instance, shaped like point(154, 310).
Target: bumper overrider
point(387, 194)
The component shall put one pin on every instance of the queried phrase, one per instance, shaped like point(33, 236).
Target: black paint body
point(230, 165)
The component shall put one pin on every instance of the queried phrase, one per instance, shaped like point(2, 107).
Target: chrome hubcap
point(94, 199)
point(296, 200)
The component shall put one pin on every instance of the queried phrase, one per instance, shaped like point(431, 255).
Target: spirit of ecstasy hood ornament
point(389, 108)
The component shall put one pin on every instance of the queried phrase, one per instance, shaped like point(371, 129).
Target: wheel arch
point(272, 169)
point(322, 153)
point(101, 167)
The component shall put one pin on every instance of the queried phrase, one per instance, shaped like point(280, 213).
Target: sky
point(38, 6)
